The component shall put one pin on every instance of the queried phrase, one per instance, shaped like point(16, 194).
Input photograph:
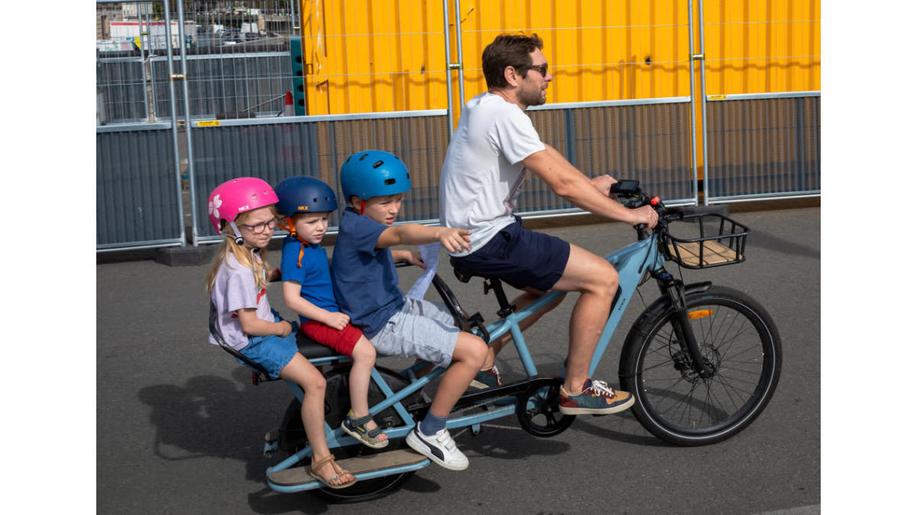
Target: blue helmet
point(373, 173)
point(304, 195)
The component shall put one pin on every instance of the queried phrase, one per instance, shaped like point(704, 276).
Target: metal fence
point(221, 86)
point(138, 201)
point(316, 146)
point(763, 146)
point(225, 88)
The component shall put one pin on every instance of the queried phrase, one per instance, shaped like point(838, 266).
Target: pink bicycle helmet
point(237, 196)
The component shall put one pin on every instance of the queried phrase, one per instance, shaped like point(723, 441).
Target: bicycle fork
point(674, 289)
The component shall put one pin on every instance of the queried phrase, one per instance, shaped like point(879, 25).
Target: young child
point(366, 288)
point(306, 203)
point(242, 210)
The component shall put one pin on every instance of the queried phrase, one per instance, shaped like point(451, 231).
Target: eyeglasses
point(260, 227)
point(541, 68)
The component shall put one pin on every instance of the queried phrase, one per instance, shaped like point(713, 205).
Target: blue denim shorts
point(271, 352)
point(518, 257)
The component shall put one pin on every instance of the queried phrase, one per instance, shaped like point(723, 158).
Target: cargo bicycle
point(702, 361)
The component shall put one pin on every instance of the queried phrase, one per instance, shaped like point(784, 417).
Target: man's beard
point(529, 99)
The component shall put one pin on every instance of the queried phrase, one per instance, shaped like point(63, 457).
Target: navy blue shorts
point(519, 257)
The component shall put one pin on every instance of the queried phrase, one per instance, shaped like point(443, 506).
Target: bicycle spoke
point(731, 378)
point(730, 386)
point(731, 399)
point(730, 343)
point(664, 363)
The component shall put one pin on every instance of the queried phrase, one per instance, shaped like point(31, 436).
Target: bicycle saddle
point(310, 349)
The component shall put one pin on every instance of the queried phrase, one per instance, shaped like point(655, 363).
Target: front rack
point(712, 240)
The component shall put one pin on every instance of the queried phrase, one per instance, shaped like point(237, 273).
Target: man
point(490, 155)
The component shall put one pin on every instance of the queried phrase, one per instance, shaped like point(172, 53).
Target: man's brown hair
point(508, 50)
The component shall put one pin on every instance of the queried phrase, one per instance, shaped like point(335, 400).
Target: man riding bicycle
point(487, 163)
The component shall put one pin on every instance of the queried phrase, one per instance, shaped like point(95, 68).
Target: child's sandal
point(356, 427)
point(335, 482)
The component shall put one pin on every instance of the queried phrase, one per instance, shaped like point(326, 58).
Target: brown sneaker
point(597, 398)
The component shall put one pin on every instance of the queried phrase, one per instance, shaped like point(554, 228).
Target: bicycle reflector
point(699, 313)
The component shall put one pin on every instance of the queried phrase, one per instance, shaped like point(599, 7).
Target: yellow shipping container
point(389, 55)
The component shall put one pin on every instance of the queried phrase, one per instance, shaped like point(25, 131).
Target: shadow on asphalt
point(207, 418)
point(203, 418)
point(590, 425)
point(765, 240)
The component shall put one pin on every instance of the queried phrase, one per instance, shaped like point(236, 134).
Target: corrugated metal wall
point(621, 100)
point(137, 198)
point(621, 50)
point(760, 140)
point(763, 147)
point(388, 55)
point(761, 47)
point(373, 56)
point(651, 143)
point(316, 147)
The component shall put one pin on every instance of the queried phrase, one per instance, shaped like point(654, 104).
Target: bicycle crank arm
point(510, 390)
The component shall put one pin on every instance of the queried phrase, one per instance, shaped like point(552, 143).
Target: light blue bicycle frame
point(631, 262)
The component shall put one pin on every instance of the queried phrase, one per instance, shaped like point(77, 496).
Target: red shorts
point(342, 341)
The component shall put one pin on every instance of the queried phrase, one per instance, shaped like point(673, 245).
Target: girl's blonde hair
point(243, 255)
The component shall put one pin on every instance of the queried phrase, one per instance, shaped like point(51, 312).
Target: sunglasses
point(541, 68)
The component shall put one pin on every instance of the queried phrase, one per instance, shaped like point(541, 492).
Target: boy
point(366, 287)
point(306, 203)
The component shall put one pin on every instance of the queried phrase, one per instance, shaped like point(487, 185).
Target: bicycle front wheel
point(737, 339)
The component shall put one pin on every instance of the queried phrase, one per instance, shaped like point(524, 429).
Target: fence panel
point(764, 147)
point(137, 203)
point(761, 77)
point(316, 147)
point(119, 84)
point(648, 142)
point(228, 86)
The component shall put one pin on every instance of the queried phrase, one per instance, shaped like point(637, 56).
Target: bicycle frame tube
point(631, 262)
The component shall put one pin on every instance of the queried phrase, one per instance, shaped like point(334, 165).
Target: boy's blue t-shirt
point(364, 277)
point(313, 275)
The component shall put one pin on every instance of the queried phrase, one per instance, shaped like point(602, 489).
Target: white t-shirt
point(483, 173)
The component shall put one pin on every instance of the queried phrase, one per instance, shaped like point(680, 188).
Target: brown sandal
point(334, 482)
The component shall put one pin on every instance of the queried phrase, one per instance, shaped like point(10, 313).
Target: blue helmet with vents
point(373, 173)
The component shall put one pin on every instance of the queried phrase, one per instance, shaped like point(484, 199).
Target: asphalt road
point(179, 426)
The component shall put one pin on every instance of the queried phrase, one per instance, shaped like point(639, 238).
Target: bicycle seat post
point(506, 308)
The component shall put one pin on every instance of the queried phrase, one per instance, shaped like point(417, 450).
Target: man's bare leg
point(597, 282)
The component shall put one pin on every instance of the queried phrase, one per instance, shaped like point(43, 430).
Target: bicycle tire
point(730, 327)
point(337, 403)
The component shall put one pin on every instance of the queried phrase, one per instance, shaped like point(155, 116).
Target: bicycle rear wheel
point(337, 403)
point(736, 337)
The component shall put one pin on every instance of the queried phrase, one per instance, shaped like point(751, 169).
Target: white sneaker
point(440, 448)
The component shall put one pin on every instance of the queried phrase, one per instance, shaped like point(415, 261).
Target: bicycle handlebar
point(630, 194)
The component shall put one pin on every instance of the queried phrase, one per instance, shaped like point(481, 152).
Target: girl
point(243, 211)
